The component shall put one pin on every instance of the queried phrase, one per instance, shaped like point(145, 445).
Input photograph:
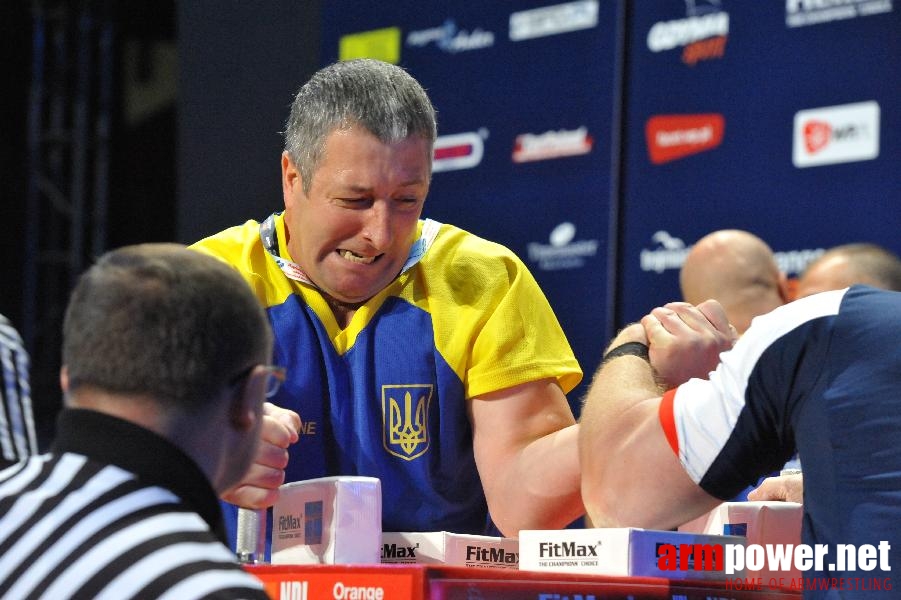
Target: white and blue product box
point(330, 520)
point(444, 548)
point(760, 523)
point(621, 551)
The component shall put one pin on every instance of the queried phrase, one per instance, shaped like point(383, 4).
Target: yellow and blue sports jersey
point(387, 396)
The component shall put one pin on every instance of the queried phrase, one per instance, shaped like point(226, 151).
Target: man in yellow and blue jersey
point(416, 352)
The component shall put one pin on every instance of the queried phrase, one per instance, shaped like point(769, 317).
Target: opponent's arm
point(630, 474)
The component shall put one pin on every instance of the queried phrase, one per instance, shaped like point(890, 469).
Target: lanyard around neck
point(292, 270)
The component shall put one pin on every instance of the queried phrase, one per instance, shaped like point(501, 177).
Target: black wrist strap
point(628, 349)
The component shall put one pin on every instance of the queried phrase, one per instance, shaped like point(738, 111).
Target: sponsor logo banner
point(459, 151)
point(836, 134)
point(563, 251)
point(311, 582)
point(669, 252)
point(702, 34)
point(383, 44)
point(552, 144)
point(671, 137)
point(449, 38)
point(553, 20)
point(800, 13)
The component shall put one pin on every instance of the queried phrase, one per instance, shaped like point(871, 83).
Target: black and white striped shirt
point(17, 434)
point(114, 511)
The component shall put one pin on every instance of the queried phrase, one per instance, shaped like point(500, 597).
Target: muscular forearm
point(630, 475)
point(542, 489)
point(608, 424)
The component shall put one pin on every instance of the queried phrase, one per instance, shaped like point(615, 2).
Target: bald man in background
point(739, 270)
point(849, 264)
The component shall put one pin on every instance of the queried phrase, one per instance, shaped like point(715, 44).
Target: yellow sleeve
point(492, 321)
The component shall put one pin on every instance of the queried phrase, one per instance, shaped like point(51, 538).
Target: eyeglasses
point(275, 375)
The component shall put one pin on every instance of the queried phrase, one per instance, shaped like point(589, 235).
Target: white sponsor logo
point(666, 35)
point(794, 262)
point(551, 144)
point(804, 557)
point(553, 20)
point(799, 13)
point(670, 253)
point(344, 591)
point(459, 151)
point(451, 39)
point(562, 234)
point(685, 137)
point(293, 590)
point(563, 251)
point(836, 134)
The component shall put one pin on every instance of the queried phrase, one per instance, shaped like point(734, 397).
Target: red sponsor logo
point(453, 151)
point(671, 137)
point(708, 49)
point(816, 135)
point(458, 151)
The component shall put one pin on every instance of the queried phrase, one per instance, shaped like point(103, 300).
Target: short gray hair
point(872, 264)
point(380, 97)
point(163, 321)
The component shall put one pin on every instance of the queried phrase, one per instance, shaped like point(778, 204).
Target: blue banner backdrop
point(781, 118)
point(525, 94)
point(600, 139)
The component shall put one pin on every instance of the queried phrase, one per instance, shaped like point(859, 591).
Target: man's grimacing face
point(352, 233)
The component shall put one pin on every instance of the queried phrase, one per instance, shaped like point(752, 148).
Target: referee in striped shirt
point(17, 435)
point(164, 374)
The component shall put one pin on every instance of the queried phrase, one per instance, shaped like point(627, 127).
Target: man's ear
point(245, 406)
point(64, 379)
point(785, 288)
point(292, 182)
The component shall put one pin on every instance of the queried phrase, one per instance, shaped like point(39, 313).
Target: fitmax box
point(330, 520)
point(761, 523)
point(442, 547)
point(619, 551)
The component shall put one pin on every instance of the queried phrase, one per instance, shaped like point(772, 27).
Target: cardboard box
point(441, 547)
point(760, 523)
point(330, 520)
point(626, 552)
